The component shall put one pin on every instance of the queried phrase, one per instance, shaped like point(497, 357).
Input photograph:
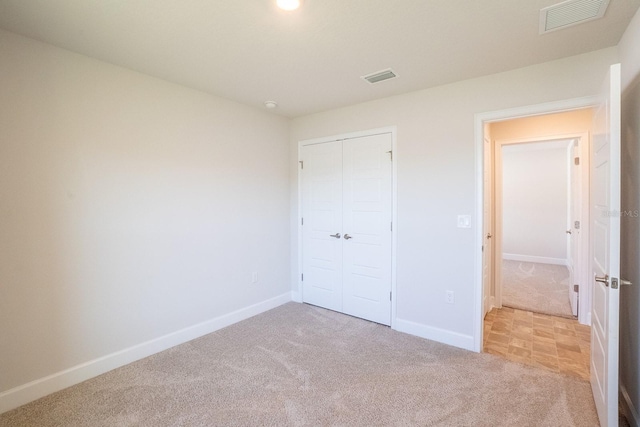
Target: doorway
point(537, 190)
point(538, 151)
point(533, 199)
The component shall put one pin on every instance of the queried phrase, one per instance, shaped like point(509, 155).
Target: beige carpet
point(541, 288)
point(299, 365)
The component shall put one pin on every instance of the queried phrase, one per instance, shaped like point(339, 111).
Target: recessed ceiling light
point(288, 4)
point(270, 104)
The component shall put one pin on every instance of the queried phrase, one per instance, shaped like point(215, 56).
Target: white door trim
point(585, 297)
point(479, 120)
point(297, 294)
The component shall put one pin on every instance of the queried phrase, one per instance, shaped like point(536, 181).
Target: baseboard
point(630, 411)
point(33, 390)
point(537, 259)
point(435, 334)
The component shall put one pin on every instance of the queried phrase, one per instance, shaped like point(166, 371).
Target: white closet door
point(367, 192)
point(322, 228)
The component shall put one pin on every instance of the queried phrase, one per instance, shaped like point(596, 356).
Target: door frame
point(480, 119)
point(584, 301)
point(297, 294)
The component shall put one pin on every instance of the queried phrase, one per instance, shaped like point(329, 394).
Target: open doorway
point(533, 204)
point(535, 239)
point(536, 189)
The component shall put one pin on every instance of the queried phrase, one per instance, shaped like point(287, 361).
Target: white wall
point(131, 208)
point(630, 226)
point(436, 179)
point(535, 201)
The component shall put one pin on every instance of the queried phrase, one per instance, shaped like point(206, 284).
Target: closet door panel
point(367, 213)
point(322, 212)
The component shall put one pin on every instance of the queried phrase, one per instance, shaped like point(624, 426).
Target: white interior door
point(605, 214)
point(572, 230)
point(487, 246)
point(367, 225)
point(322, 227)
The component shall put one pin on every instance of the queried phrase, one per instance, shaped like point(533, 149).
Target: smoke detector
point(571, 12)
point(380, 76)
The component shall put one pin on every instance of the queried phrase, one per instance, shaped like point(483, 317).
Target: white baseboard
point(33, 390)
point(630, 411)
point(435, 334)
point(537, 259)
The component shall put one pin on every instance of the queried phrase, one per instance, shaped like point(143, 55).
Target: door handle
point(625, 282)
point(347, 237)
point(489, 235)
point(604, 279)
point(568, 231)
point(337, 235)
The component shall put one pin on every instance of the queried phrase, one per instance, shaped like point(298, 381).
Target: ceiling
point(310, 60)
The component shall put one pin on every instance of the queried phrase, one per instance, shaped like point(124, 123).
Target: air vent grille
point(572, 12)
point(380, 76)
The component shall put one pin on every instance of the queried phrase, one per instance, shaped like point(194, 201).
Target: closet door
point(367, 215)
point(322, 228)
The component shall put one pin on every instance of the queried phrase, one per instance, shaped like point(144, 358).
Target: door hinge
point(302, 277)
point(301, 164)
point(301, 221)
point(576, 289)
point(390, 297)
point(391, 225)
point(576, 161)
point(391, 152)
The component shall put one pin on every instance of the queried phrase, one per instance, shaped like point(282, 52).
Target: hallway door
point(574, 228)
point(605, 217)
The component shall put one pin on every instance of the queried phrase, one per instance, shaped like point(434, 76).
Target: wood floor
point(554, 343)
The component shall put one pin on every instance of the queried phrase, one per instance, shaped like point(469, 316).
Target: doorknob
point(604, 279)
point(625, 282)
point(489, 235)
point(337, 235)
point(347, 237)
point(568, 231)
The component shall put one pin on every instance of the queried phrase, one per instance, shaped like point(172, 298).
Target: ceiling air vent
point(572, 12)
point(380, 76)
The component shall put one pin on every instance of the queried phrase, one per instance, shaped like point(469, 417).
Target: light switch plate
point(464, 221)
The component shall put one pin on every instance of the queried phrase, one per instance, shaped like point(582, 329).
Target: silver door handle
point(625, 282)
point(337, 235)
point(604, 279)
point(568, 231)
point(347, 237)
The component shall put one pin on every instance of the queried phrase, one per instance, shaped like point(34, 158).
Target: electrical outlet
point(254, 277)
point(449, 299)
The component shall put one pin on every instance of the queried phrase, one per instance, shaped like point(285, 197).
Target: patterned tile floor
point(554, 343)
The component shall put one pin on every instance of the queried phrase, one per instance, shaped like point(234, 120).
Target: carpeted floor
point(299, 365)
point(541, 288)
